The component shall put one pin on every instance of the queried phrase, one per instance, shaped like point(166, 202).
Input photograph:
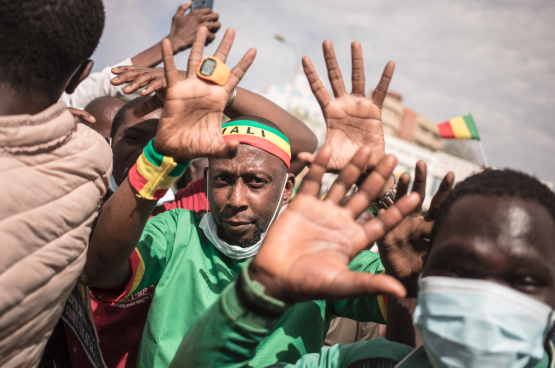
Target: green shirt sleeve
point(366, 309)
point(228, 333)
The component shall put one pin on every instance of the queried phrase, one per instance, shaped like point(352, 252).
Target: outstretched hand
point(352, 120)
point(403, 248)
point(190, 125)
point(185, 26)
point(306, 253)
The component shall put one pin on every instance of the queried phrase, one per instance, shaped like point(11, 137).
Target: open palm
point(306, 253)
point(352, 120)
point(190, 125)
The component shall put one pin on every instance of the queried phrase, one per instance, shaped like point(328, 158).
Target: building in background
point(408, 135)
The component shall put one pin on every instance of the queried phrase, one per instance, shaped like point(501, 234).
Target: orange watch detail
point(214, 70)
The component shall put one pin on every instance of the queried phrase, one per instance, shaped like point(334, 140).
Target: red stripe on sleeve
point(136, 180)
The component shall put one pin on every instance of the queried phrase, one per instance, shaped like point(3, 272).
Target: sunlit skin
point(131, 138)
point(103, 109)
point(245, 191)
point(501, 239)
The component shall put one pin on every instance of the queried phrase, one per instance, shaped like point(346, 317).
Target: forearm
point(300, 136)
point(149, 58)
point(115, 236)
point(399, 322)
point(228, 334)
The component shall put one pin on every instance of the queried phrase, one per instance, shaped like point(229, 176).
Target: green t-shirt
point(190, 274)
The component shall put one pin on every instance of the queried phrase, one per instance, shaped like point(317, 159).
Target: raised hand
point(403, 248)
point(185, 27)
point(190, 125)
point(306, 253)
point(352, 120)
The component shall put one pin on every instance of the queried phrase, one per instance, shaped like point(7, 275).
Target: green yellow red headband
point(260, 136)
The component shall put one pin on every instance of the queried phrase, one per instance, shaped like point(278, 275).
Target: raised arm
point(305, 256)
point(245, 103)
point(190, 127)
point(182, 34)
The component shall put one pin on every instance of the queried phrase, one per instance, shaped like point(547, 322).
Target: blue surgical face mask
point(475, 324)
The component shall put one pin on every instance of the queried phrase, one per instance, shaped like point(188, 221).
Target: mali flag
point(462, 127)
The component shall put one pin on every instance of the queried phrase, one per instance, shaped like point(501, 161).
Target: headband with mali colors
point(260, 136)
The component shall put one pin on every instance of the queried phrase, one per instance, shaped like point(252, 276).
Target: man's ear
point(289, 187)
point(80, 74)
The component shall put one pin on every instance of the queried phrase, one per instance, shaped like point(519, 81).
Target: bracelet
point(387, 200)
point(153, 174)
point(232, 98)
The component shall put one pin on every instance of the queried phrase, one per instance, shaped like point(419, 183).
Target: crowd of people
point(157, 217)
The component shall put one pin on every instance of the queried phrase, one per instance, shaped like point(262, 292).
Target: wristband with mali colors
point(154, 174)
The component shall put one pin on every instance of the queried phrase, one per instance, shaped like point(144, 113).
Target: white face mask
point(476, 323)
point(168, 197)
point(208, 225)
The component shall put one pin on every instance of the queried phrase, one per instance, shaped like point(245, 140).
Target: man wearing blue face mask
point(486, 291)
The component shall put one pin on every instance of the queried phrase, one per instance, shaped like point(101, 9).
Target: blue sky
point(494, 59)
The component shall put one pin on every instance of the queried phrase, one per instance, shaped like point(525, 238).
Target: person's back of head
point(44, 42)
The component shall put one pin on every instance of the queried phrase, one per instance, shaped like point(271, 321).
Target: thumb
point(358, 284)
point(226, 150)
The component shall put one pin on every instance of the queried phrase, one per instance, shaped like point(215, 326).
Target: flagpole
point(483, 153)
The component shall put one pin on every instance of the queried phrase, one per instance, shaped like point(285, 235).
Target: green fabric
point(471, 125)
point(227, 336)
point(190, 274)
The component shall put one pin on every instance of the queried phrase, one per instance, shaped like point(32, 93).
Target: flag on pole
point(461, 127)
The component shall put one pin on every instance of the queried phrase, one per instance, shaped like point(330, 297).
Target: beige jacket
point(53, 176)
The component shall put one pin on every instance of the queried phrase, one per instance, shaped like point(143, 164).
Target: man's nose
point(238, 197)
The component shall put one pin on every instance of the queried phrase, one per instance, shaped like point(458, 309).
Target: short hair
point(120, 115)
point(43, 41)
point(497, 183)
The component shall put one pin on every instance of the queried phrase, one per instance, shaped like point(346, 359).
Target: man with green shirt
point(486, 295)
point(190, 258)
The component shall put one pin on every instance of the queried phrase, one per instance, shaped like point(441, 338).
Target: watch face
point(207, 67)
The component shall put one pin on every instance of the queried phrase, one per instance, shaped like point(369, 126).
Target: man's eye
point(132, 138)
point(257, 181)
point(526, 282)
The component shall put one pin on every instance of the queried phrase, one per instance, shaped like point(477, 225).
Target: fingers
point(403, 185)
point(212, 17)
point(316, 84)
point(349, 175)
point(240, 69)
point(444, 189)
point(386, 220)
point(182, 9)
point(419, 185)
point(196, 52)
point(306, 157)
point(226, 150)
point(381, 90)
point(153, 86)
point(334, 73)
point(225, 45)
point(352, 284)
point(169, 65)
point(82, 114)
point(148, 106)
point(370, 188)
point(313, 180)
point(143, 77)
point(358, 69)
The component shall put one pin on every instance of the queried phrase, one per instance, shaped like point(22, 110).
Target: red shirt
point(120, 326)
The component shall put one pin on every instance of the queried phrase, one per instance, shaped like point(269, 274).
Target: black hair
point(120, 115)
point(266, 122)
point(499, 183)
point(43, 41)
